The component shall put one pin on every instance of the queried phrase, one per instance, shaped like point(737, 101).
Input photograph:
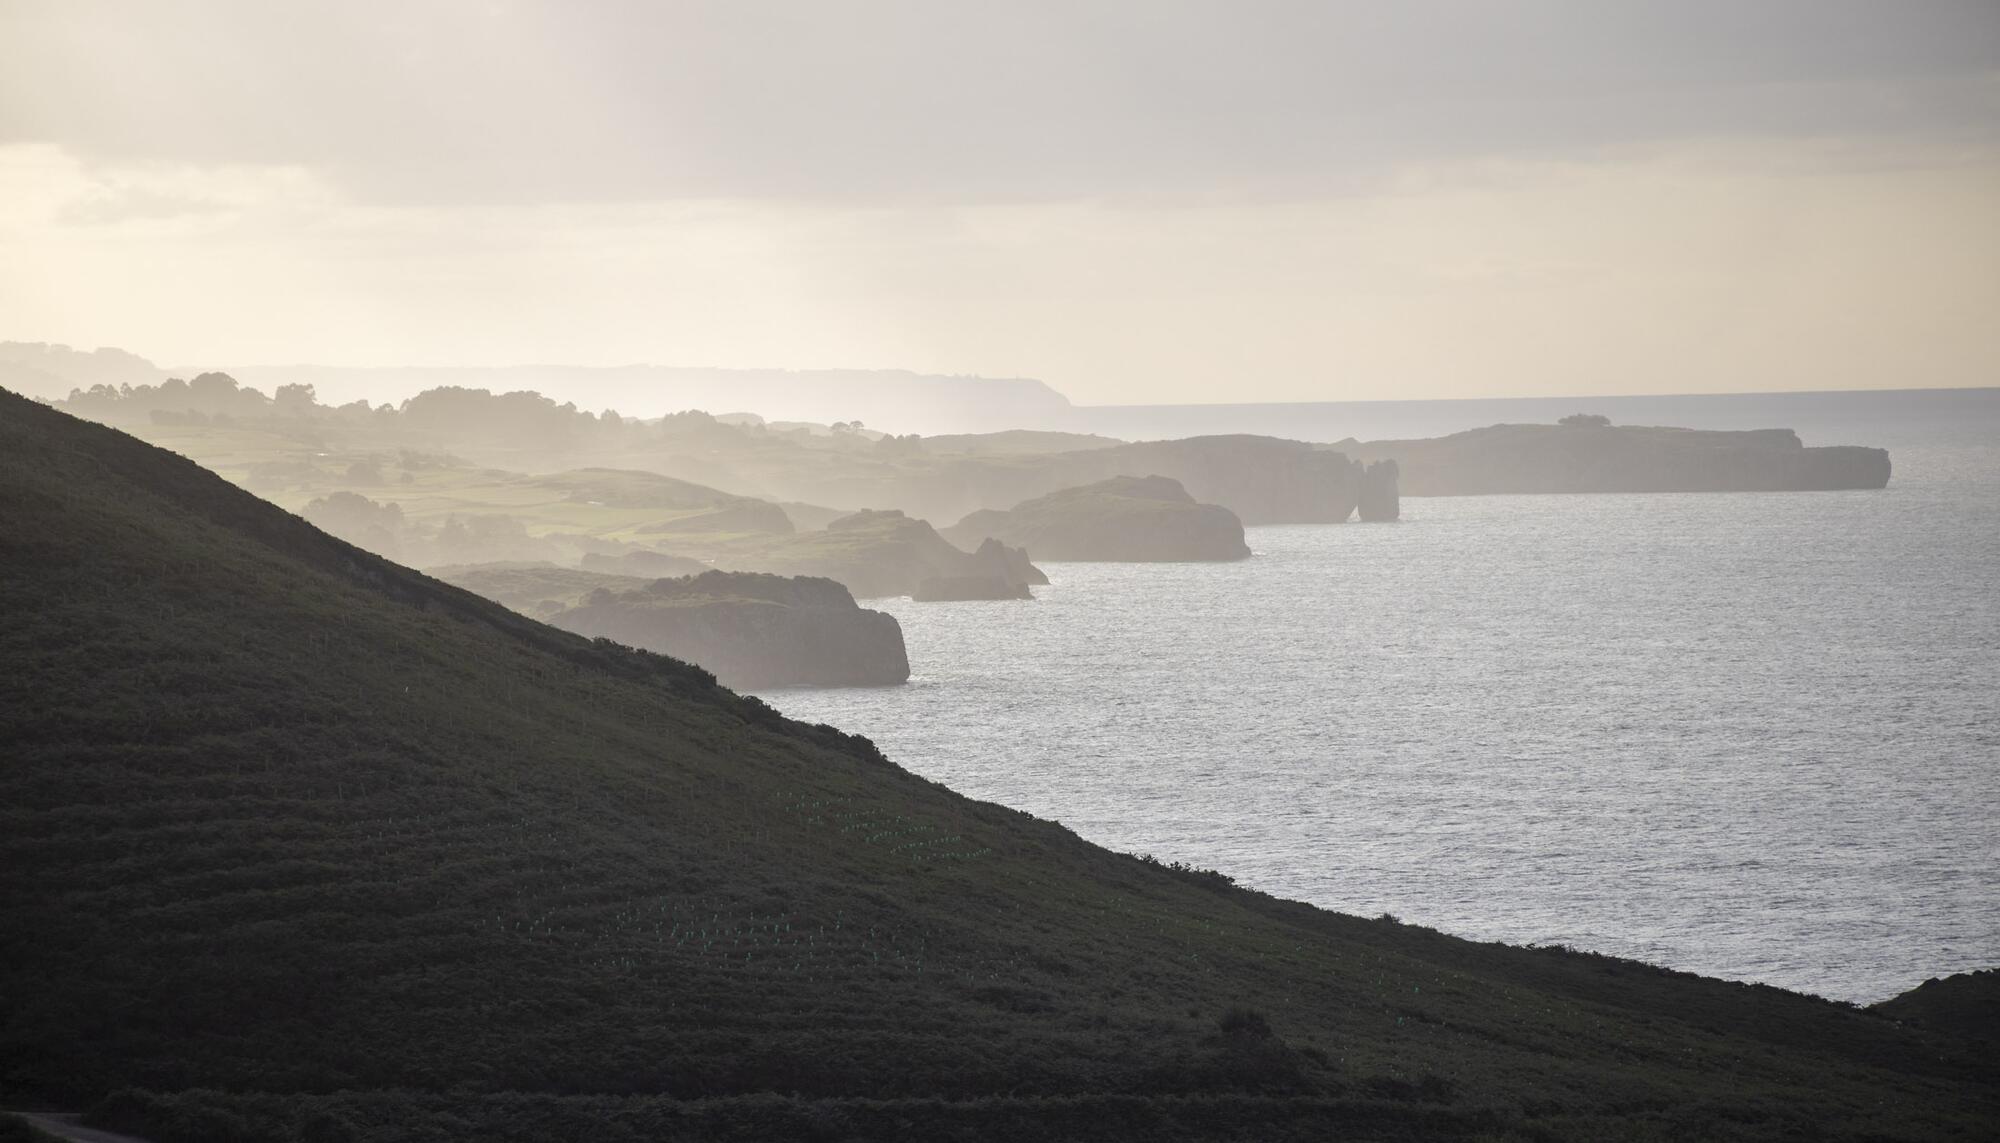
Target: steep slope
point(303, 844)
point(1129, 518)
point(1966, 1005)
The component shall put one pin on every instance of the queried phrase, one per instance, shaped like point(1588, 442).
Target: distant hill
point(896, 400)
point(296, 843)
point(50, 372)
point(891, 399)
point(1014, 442)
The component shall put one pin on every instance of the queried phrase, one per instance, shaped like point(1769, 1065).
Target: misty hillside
point(894, 399)
point(52, 372)
point(297, 843)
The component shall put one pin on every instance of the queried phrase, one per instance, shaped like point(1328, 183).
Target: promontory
point(1125, 518)
point(751, 631)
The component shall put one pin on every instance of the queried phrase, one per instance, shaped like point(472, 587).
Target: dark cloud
point(595, 101)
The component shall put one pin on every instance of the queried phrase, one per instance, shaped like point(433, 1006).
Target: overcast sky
point(1146, 201)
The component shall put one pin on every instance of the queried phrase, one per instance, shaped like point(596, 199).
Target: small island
point(751, 631)
point(1125, 519)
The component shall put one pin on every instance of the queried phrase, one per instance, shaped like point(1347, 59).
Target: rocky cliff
point(886, 553)
point(751, 631)
point(1608, 458)
point(1125, 518)
point(1381, 492)
point(1263, 480)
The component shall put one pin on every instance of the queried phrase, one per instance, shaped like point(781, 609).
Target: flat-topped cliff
point(1592, 457)
point(1125, 518)
point(752, 631)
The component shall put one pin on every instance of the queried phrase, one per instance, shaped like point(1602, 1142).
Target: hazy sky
point(1143, 201)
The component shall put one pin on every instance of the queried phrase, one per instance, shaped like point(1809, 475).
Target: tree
point(1586, 421)
point(295, 398)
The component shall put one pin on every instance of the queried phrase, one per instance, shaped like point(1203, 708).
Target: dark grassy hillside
point(1966, 1005)
point(295, 843)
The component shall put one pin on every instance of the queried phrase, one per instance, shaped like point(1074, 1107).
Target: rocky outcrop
point(1010, 563)
point(1125, 518)
point(1381, 495)
point(751, 631)
point(886, 553)
point(1263, 480)
point(1584, 457)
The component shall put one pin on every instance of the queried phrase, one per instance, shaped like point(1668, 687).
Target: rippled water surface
point(1750, 735)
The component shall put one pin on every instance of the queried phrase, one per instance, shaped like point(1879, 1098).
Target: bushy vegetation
point(298, 844)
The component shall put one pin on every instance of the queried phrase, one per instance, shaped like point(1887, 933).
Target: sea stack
point(1380, 498)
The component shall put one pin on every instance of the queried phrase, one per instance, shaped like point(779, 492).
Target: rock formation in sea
point(1589, 457)
point(1263, 480)
point(1125, 518)
point(886, 553)
point(752, 631)
point(1381, 497)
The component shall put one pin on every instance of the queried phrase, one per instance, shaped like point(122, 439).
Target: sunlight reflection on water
point(1749, 735)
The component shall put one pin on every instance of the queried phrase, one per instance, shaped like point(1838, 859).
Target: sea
point(1748, 735)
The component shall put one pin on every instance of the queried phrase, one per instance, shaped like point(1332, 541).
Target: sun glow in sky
point(1135, 202)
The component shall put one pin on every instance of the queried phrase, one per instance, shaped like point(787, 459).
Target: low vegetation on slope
point(298, 844)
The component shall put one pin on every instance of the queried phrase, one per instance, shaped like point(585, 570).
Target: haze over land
point(1135, 203)
point(1120, 571)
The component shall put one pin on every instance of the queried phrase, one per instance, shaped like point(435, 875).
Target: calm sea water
point(1754, 735)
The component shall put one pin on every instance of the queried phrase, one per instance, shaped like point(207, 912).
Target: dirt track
point(64, 1125)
